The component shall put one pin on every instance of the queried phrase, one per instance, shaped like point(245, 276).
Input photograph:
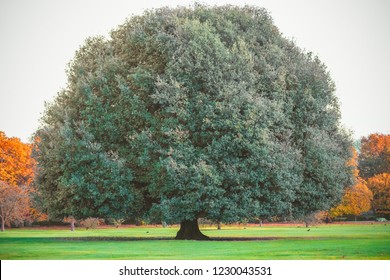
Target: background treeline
point(367, 199)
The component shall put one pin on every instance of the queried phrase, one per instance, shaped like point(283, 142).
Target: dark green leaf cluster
point(194, 112)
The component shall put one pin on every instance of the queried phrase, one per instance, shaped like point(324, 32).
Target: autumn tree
point(356, 200)
point(190, 113)
point(16, 177)
point(16, 163)
point(380, 187)
point(14, 203)
point(353, 163)
point(374, 157)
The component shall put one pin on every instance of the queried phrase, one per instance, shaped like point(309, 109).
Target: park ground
point(343, 241)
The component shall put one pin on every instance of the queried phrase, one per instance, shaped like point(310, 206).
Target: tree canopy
point(16, 177)
point(14, 204)
point(193, 112)
point(380, 187)
point(16, 163)
point(374, 158)
point(356, 200)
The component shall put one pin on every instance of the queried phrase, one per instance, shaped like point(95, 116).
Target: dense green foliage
point(193, 112)
point(356, 242)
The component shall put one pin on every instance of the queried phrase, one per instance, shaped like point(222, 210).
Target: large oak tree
point(189, 113)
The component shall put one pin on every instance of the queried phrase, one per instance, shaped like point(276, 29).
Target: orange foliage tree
point(380, 187)
point(16, 177)
point(374, 156)
point(16, 163)
point(353, 162)
point(356, 200)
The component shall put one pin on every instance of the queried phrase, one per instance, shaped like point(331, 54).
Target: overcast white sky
point(38, 39)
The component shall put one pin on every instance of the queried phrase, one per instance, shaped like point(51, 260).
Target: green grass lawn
point(323, 242)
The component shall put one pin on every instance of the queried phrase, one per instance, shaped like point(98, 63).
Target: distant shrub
point(316, 218)
point(117, 222)
point(140, 222)
point(91, 223)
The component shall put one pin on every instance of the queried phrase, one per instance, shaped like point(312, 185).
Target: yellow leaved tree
point(356, 200)
point(380, 187)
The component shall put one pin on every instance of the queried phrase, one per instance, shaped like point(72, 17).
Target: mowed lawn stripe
point(322, 242)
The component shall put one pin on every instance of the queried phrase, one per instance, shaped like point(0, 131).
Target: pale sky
point(40, 37)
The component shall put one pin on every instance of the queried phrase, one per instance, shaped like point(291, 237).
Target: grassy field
point(336, 241)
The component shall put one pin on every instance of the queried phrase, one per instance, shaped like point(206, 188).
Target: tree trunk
point(72, 225)
point(219, 226)
point(189, 230)
point(2, 224)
